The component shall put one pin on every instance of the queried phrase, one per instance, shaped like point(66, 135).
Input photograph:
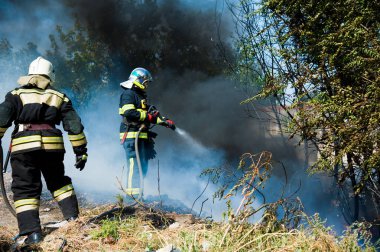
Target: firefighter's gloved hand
point(81, 161)
point(152, 117)
point(166, 122)
point(169, 124)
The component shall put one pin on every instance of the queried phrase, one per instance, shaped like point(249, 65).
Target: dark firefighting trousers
point(27, 186)
point(133, 173)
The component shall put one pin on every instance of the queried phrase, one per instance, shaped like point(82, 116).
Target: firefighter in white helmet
point(135, 112)
point(37, 146)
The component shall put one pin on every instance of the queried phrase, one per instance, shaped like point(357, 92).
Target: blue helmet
point(140, 77)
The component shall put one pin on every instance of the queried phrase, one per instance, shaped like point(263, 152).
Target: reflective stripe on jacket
point(134, 109)
point(30, 104)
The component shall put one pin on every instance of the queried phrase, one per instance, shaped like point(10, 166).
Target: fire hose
point(2, 184)
point(151, 109)
point(139, 161)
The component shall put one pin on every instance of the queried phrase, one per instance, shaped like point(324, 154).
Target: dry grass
point(5, 238)
point(141, 232)
point(144, 229)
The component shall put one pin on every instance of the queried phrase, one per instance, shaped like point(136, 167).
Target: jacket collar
point(36, 80)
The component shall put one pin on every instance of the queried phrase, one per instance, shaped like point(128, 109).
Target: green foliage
point(357, 231)
point(84, 67)
point(320, 60)
point(187, 241)
point(108, 229)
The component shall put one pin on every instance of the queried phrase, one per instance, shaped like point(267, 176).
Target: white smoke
point(180, 160)
point(32, 21)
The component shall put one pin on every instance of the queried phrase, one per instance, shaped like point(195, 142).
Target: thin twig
point(208, 181)
point(63, 244)
point(158, 183)
point(200, 212)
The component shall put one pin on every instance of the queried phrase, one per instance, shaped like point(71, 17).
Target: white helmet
point(43, 67)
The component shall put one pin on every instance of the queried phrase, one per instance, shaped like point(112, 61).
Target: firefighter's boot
point(33, 238)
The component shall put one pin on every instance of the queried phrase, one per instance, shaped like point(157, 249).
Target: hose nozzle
point(169, 124)
point(173, 127)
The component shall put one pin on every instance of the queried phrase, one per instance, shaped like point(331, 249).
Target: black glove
point(81, 161)
point(170, 124)
point(166, 122)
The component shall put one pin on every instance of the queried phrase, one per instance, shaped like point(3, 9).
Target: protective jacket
point(36, 102)
point(35, 108)
point(133, 108)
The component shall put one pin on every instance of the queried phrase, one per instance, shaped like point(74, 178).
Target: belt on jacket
point(35, 126)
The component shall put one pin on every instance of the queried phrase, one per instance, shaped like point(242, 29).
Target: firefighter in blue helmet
point(137, 117)
point(36, 107)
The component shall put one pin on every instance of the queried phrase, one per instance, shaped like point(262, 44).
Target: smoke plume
point(180, 46)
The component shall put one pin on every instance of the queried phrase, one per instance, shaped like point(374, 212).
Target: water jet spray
point(186, 136)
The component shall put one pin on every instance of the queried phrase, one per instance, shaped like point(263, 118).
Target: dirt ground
point(49, 213)
point(74, 236)
point(6, 218)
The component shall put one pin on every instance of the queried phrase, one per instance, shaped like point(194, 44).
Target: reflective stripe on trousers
point(133, 173)
point(23, 205)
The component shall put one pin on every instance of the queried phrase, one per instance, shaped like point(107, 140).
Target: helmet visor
point(146, 83)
